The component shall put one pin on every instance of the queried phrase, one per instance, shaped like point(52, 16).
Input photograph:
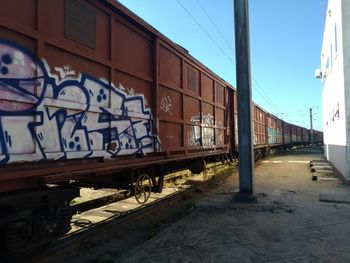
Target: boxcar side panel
point(192, 101)
point(305, 135)
point(279, 131)
point(170, 99)
point(294, 133)
point(75, 95)
point(299, 135)
point(271, 129)
point(287, 133)
point(259, 126)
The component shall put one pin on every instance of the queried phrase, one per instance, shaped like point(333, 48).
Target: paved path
point(288, 224)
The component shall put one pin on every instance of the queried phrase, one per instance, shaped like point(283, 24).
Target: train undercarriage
point(30, 219)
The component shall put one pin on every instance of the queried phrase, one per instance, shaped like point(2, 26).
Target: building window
point(326, 68)
point(335, 39)
point(80, 23)
point(331, 56)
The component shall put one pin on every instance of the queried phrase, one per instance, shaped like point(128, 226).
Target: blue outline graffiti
point(272, 135)
point(70, 118)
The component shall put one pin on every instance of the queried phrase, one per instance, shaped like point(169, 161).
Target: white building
point(335, 74)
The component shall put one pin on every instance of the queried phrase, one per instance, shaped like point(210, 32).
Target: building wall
point(333, 97)
point(346, 61)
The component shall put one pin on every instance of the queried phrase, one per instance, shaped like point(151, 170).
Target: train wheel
point(29, 232)
point(19, 233)
point(143, 188)
point(30, 228)
point(30, 221)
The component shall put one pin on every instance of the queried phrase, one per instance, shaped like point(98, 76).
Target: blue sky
point(285, 36)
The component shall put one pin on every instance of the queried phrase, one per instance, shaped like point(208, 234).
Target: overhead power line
point(214, 24)
point(300, 111)
point(267, 98)
point(206, 32)
point(256, 85)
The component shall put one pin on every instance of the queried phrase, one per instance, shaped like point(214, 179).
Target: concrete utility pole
point(311, 130)
point(244, 101)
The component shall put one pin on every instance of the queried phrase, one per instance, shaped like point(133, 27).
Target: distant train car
point(317, 136)
point(305, 136)
point(287, 134)
point(274, 131)
point(299, 136)
point(259, 127)
point(296, 133)
point(279, 132)
point(271, 129)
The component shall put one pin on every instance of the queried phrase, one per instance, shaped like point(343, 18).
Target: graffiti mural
point(45, 116)
point(203, 134)
point(272, 135)
point(208, 134)
point(194, 134)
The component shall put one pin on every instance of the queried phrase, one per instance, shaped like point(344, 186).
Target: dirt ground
point(287, 224)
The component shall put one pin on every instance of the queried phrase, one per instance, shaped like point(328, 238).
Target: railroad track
point(112, 223)
point(118, 221)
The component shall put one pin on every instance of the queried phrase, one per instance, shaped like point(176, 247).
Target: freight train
point(90, 94)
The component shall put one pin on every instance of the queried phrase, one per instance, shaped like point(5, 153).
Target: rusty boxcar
point(92, 94)
point(305, 136)
point(275, 131)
